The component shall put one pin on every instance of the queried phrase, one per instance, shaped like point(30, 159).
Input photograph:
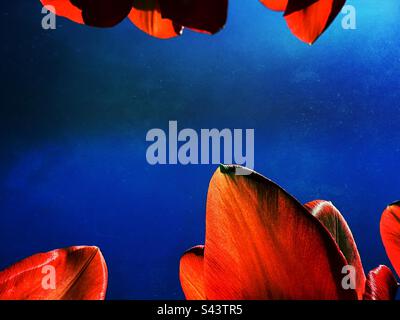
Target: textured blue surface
point(77, 103)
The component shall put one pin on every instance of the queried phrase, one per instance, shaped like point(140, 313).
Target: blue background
point(77, 103)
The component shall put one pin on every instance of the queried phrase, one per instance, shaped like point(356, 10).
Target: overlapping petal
point(262, 244)
point(80, 274)
point(308, 19)
point(64, 8)
point(191, 274)
point(147, 16)
point(333, 220)
point(159, 18)
point(99, 13)
point(380, 284)
point(390, 233)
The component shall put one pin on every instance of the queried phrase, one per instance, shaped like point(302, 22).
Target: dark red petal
point(80, 274)
point(64, 8)
point(276, 5)
point(308, 19)
point(380, 285)
point(333, 220)
point(146, 15)
point(103, 13)
point(201, 15)
point(191, 273)
point(262, 244)
point(390, 233)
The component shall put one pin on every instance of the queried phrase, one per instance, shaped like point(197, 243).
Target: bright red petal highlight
point(262, 244)
point(191, 273)
point(308, 19)
point(390, 233)
point(276, 5)
point(80, 274)
point(380, 285)
point(64, 8)
point(333, 220)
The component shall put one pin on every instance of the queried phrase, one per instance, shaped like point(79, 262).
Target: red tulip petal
point(308, 19)
point(146, 15)
point(201, 15)
point(191, 273)
point(276, 5)
point(380, 285)
point(103, 13)
point(332, 219)
point(262, 244)
point(390, 233)
point(80, 274)
point(64, 8)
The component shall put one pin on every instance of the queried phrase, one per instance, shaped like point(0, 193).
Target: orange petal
point(191, 274)
point(276, 5)
point(201, 15)
point(146, 15)
point(75, 273)
point(263, 244)
point(380, 285)
point(332, 219)
point(64, 8)
point(390, 233)
point(308, 19)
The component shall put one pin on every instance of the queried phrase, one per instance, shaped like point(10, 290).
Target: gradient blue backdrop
point(77, 103)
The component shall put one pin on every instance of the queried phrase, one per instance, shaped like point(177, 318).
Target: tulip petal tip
point(197, 250)
point(381, 284)
point(227, 169)
point(396, 203)
point(235, 170)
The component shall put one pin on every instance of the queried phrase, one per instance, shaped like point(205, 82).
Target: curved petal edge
point(191, 273)
point(380, 285)
point(75, 273)
point(390, 233)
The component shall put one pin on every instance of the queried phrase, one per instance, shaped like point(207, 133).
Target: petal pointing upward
point(262, 244)
point(332, 219)
point(191, 273)
point(380, 285)
point(390, 233)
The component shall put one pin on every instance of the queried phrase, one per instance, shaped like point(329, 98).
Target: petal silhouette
point(192, 275)
point(146, 15)
point(103, 13)
point(80, 273)
point(308, 19)
point(263, 244)
point(200, 15)
point(390, 233)
point(276, 5)
point(333, 220)
point(64, 8)
point(380, 285)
